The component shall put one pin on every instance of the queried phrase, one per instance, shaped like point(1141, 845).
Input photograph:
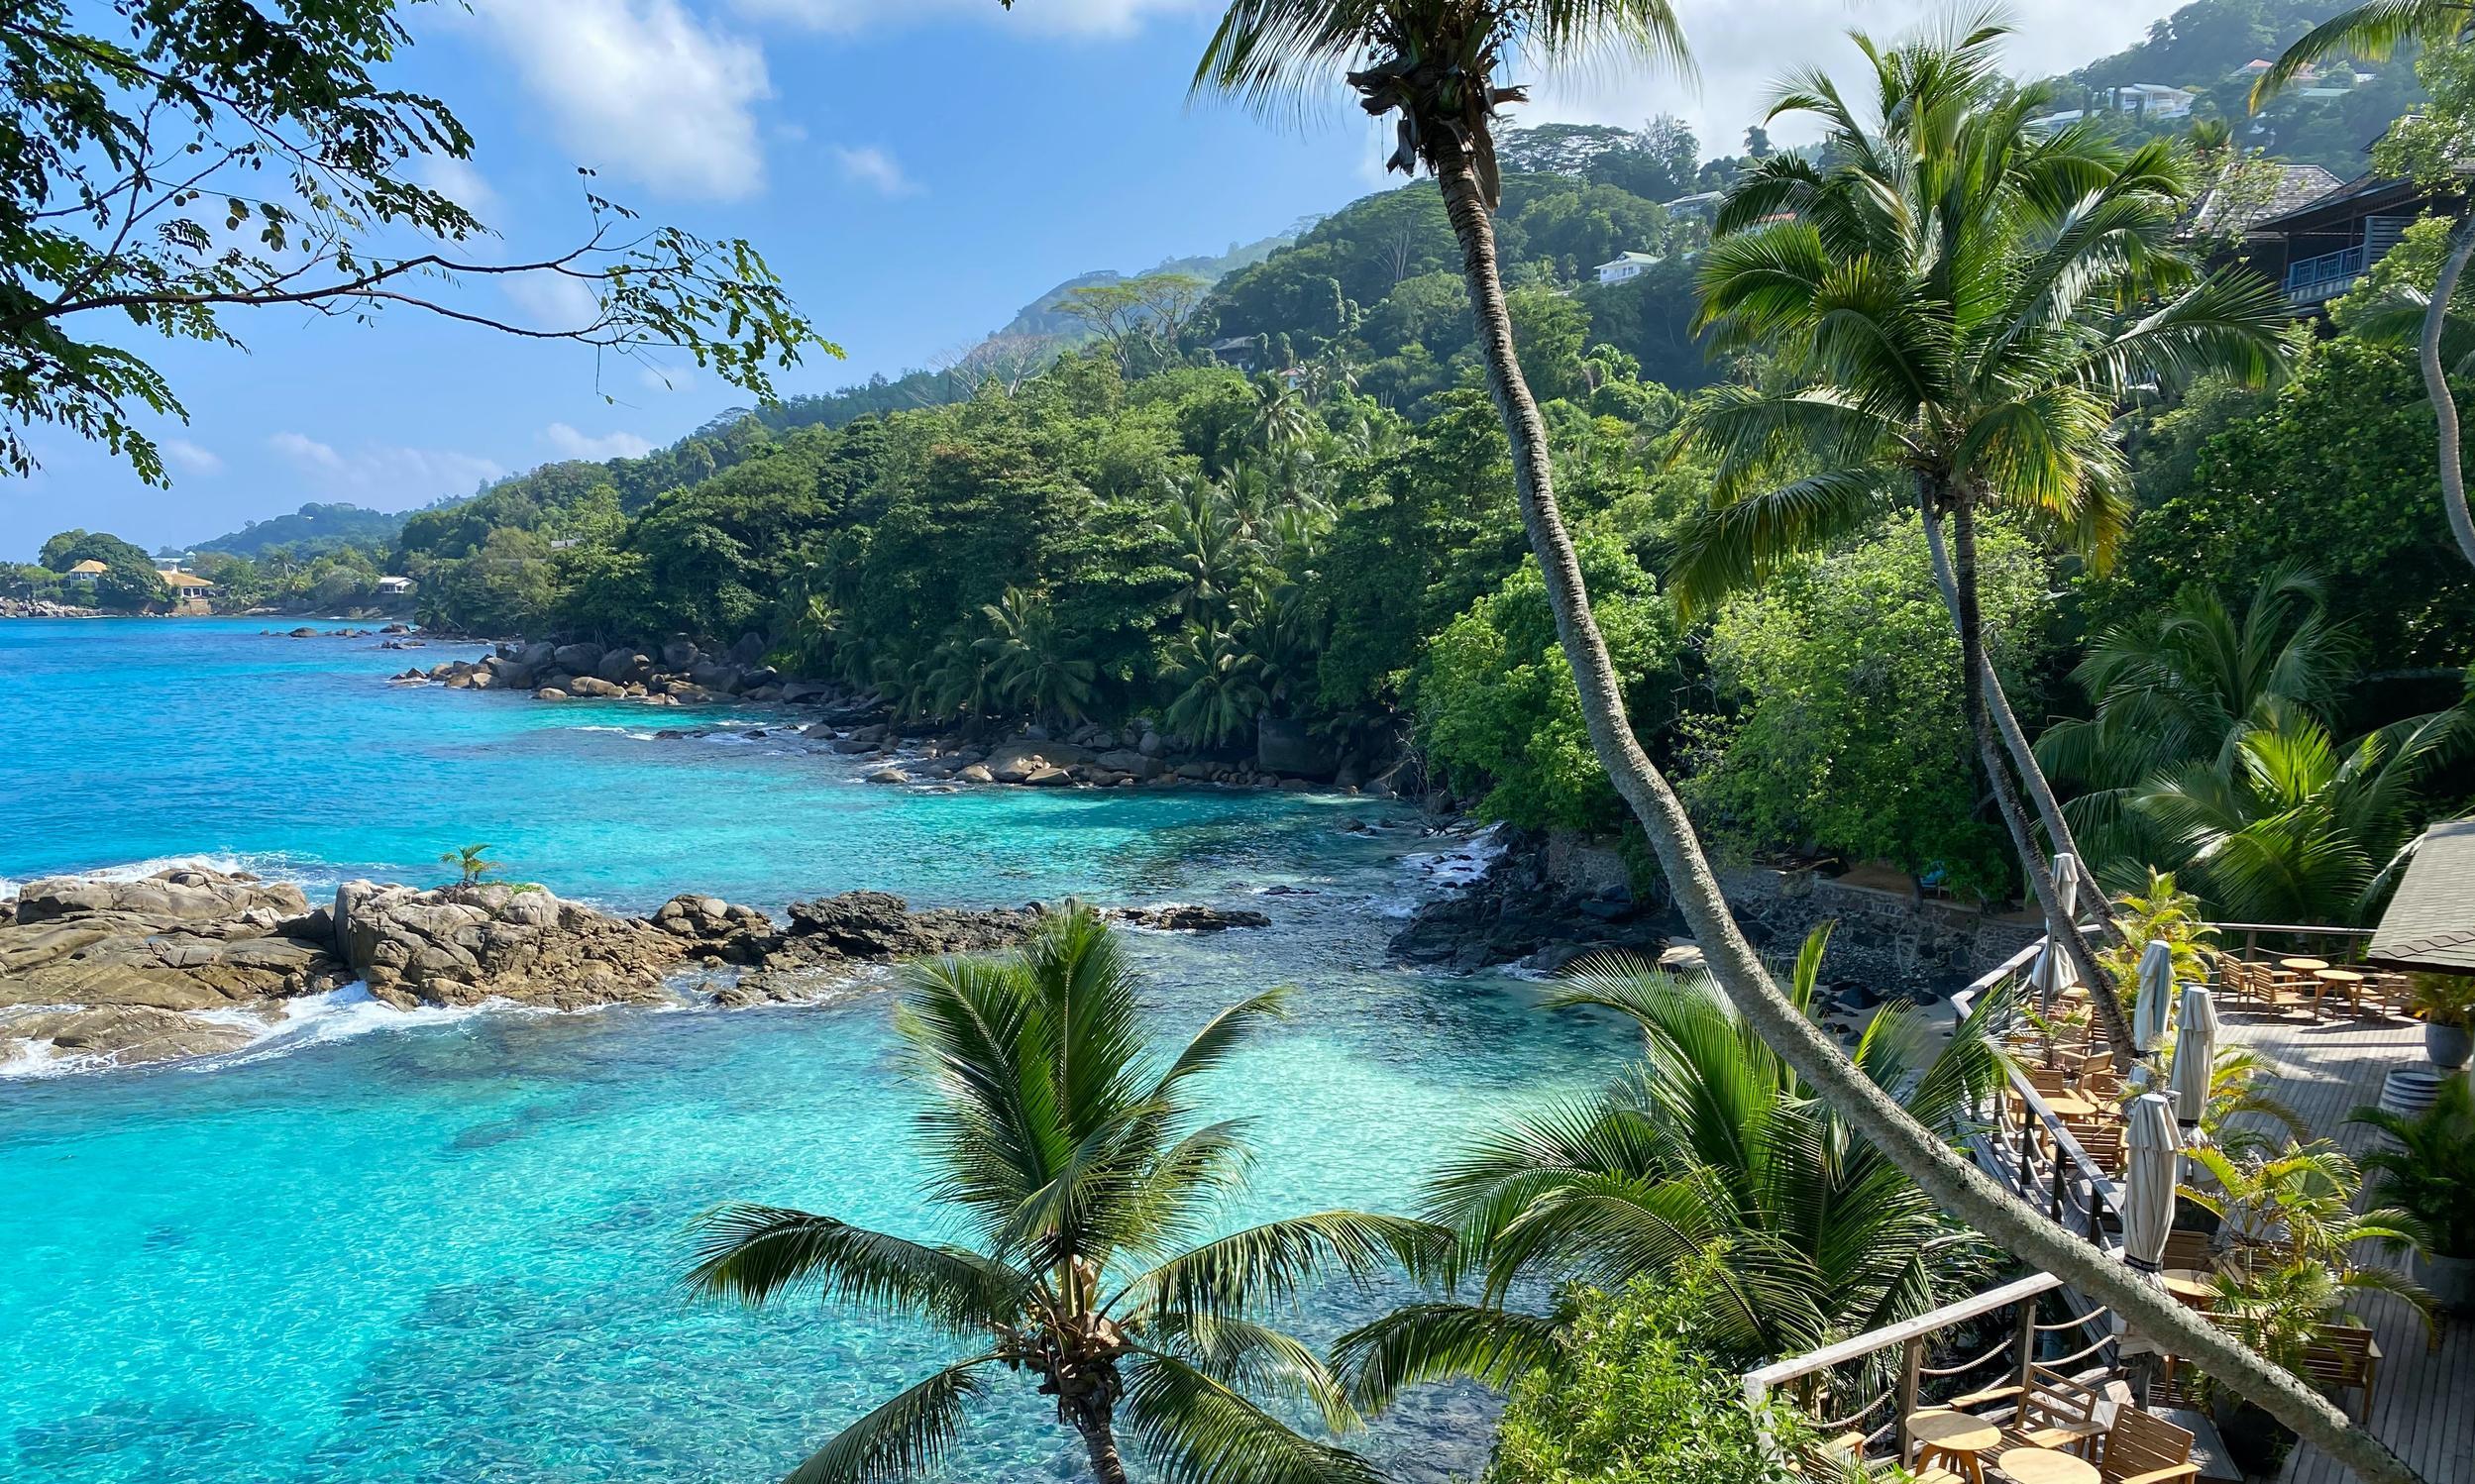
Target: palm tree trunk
point(2437, 384)
point(1100, 1441)
point(2014, 739)
point(1955, 1183)
point(1977, 678)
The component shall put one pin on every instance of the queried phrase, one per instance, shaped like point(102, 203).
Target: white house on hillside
point(394, 587)
point(1626, 265)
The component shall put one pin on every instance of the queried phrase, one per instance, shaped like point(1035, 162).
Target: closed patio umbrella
point(2195, 1051)
point(2150, 1016)
point(2052, 973)
point(2151, 1146)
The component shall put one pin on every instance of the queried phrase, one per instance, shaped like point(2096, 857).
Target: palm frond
point(1275, 1262)
point(758, 1253)
point(1196, 1431)
point(906, 1437)
point(1423, 1342)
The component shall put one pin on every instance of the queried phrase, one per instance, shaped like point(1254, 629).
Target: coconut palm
point(2287, 825)
point(1070, 1152)
point(1222, 687)
point(1032, 659)
point(1436, 63)
point(2171, 689)
point(2374, 31)
point(1207, 546)
point(1711, 1152)
point(472, 863)
point(1960, 308)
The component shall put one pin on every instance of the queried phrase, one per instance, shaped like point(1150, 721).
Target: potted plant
point(2274, 1310)
point(2428, 1171)
point(2445, 1003)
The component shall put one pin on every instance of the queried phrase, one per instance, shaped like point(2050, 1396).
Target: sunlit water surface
point(449, 1249)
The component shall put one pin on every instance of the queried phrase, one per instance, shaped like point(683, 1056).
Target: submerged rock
point(1184, 917)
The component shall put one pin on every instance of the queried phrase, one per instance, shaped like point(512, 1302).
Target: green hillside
point(313, 530)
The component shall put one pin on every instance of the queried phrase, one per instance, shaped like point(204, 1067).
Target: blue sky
point(916, 171)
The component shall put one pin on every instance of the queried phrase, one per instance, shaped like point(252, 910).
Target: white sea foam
point(311, 1020)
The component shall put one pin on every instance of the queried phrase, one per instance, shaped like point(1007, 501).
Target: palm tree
point(1948, 297)
point(1071, 1153)
point(472, 863)
point(2170, 690)
point(1222, 687)
point(1712, 1152)
point(1031, 659)
point(1208, 547)
point(2374, 31)
point(2286, 825)
point(1436, 63)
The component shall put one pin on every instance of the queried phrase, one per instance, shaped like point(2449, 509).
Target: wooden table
point(2071, 1106)
point(2192, 1286)
point(2346, 981)
point(1941, 1432)
point(2303, 965)
point(2045, 1466)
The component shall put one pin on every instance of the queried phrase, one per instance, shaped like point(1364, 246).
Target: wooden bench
point(2141, 1448)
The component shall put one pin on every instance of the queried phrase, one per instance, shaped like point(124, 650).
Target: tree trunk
point(2437, 383)
point(1100, 1441)
point(2015, 738)
point(1976, 668)
point(1953, 1182)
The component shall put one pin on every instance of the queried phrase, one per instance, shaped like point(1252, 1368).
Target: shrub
point(1635, 1400)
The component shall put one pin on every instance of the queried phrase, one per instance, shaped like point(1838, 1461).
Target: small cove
point(450, 1249)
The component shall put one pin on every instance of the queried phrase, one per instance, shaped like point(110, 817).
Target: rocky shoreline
point(19, 608)
point(190, 961)
point(858, 723)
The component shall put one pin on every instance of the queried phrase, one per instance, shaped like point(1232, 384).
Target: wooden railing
point(2024, 1144)
point(2027, 1146)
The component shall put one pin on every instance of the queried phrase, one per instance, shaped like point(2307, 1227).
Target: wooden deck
point(2423, 1404)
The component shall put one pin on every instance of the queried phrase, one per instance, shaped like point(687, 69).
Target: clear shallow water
point(450, 1249)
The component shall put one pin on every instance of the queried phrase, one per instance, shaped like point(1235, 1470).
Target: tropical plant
point(2288, 825)
point(2428, 1171)
point(1071, 1153)
point(1207, 546)
point(1632, 1395)
point(1712, 1156)
point(2443, 998)
point(2297, 1207)
point(472, 863)
point(1222, 687)
point(1960, 308)
point(2173, 689)
point(2160, 913)
point(1436, 63)
point(1031, 659)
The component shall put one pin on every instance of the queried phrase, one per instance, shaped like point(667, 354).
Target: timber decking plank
point(2425, 1398)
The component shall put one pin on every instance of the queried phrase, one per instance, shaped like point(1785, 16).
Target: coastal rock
point(1517, 912)
point(1183, 916)
point(577, 659)
point(878, 927)
point(621, 667)
point(596, 685)
point(889, 775)
point(679, 654)
point(121, 969)
point(976, 773)
point(464, 944)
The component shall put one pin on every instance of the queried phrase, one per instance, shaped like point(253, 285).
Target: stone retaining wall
point(1893, 937)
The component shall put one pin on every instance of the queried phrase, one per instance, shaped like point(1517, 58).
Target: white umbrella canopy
point(2155, 1008)
point(2195, 1051)
point(2052, 973)
point(2151, 1148)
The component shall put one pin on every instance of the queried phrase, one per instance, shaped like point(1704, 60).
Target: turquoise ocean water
point(446, 1248)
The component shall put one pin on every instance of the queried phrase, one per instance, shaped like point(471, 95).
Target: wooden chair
point(2143, 1448)
point(2341, 1358)
point(2056, 1413)
point(2196, 1250)
point(2100, 1141)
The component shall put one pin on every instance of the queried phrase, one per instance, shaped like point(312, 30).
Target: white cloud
point(383, 476)
point(872, 166)
point(190, 458)
point(1107, 18)
point(643, 89)
point(1742, 49)
point(572, 444)
point(553, 301)
point(458, 181)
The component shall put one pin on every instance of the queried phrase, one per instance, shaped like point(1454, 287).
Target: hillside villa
point(1625, 265)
